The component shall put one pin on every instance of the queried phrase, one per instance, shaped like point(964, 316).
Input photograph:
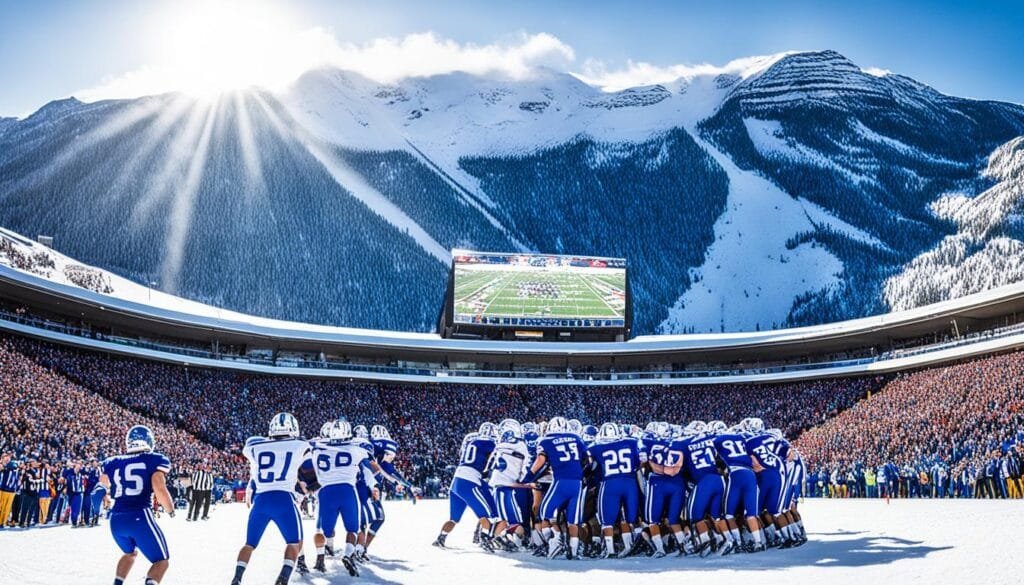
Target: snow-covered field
point(852, 541)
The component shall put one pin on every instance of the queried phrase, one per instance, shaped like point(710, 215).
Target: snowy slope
point(986, 251)
point(779, 190)
point(852, 542)
point(750, 276)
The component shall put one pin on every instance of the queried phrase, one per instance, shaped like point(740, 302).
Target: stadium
point(297, 292)
point(866, 391)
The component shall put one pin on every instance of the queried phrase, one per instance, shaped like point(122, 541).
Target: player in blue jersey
point(73, 479)
point(617, 461)
point(133, 480)
point(566, 454)
point(770, 469)
point(96, 498)
point(369, 495)
point(704, 505)
point(796, 473)
point(741, 487)
point(274, 468)
point(785, 522)
point(469, 489)
point(666, 488)
point(385, 449)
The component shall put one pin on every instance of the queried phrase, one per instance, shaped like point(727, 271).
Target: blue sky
point(54, 49)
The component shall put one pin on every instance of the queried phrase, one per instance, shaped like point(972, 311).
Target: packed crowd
point(956, 423)
point(954, 431)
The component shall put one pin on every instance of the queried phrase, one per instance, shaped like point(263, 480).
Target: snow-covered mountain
point(783, 190)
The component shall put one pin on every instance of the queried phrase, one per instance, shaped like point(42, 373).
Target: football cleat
point(350, 565)
point(300, 565)
point(320, 566)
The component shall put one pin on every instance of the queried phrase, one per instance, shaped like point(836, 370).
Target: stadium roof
point(970, 313)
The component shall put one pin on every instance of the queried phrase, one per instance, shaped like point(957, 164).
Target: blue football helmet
point(139, 439)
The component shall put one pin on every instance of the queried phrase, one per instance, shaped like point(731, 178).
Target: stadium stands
point(956, 422)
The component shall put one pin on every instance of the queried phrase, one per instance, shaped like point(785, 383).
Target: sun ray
point(183, 204)
point(111, 128)
point(247, 141)
point(160, 184)
point(355, 185)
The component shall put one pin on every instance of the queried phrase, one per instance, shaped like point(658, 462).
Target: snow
point(975, 258)
point(749, 278)
point(770, 140)
point(851, 542)
point(127, 290)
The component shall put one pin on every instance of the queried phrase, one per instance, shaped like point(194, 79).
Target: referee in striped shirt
point(202, 486)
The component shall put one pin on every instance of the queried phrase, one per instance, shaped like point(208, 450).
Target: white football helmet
point(380, 433)
point(360, 432)
point(510, 424)
point(283, 425)
point(608, 432)
point(487, 430)
point(696, 427)
point(755, 425)
point(558, 424)
point(575, 427)
point(341, 430)
point(717, 427)
point(777, 433)
point(325, 430)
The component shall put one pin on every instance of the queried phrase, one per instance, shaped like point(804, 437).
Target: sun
point(208, 47)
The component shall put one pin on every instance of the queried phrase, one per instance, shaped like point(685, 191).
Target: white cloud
point(641, 73)
point(199, 62)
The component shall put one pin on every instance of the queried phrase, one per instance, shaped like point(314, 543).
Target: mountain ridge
point(341, 189)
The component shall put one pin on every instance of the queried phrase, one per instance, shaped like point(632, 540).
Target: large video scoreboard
point(532, 295)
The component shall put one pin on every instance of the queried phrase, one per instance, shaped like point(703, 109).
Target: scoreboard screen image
point(538, 290)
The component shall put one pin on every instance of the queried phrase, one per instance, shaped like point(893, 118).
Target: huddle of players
point(340, 467)
point(621, 491)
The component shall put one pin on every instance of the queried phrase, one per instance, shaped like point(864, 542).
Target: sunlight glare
point(207, 48)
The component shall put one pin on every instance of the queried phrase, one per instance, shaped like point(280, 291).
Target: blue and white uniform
point(796, 472)
point(741, 489)
point(337, 467)
point(468, 486)
point(617, 463)
point(274, 469)
point(665, 493)
point(372, 511)
point(564, 453)
point(507, 467)
point(131, 519)
point(708, 486)
point(770, 478)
